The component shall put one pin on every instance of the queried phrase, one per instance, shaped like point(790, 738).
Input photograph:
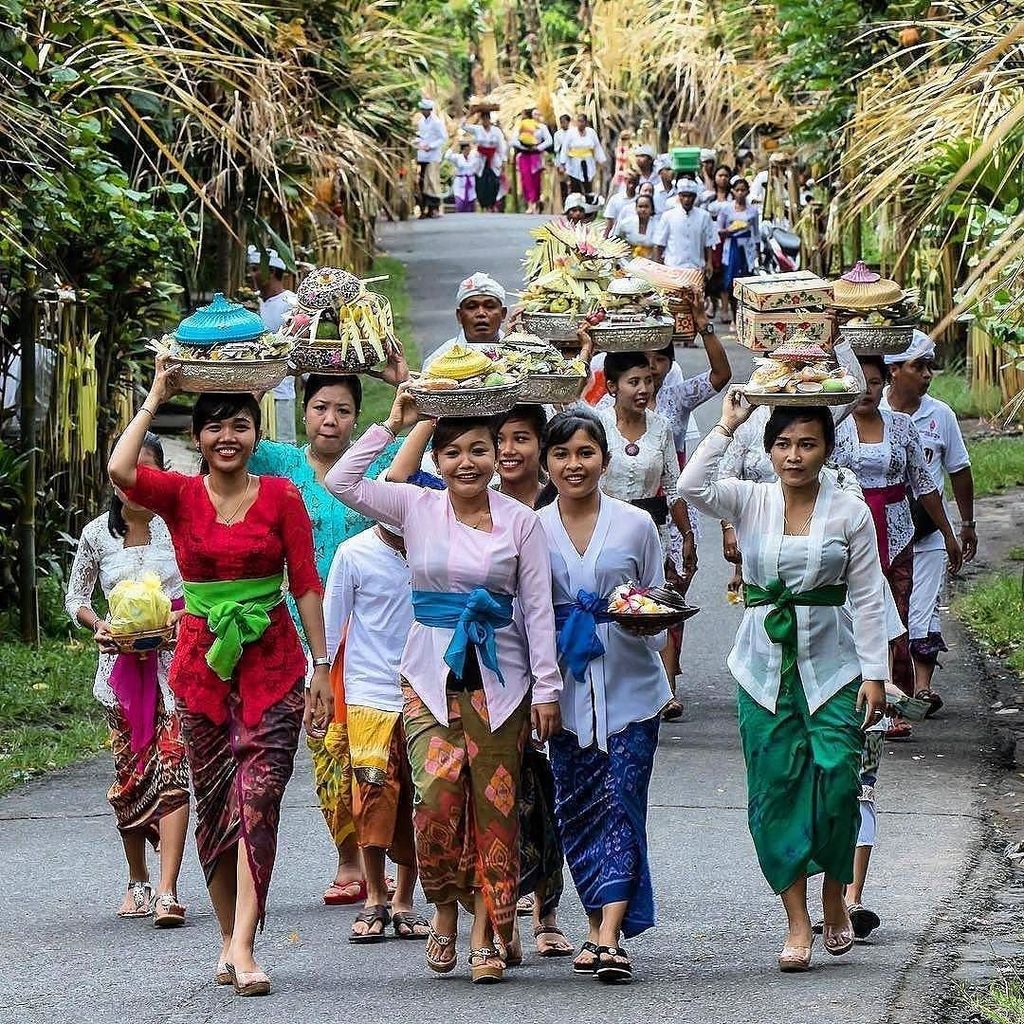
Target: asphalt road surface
point(711, 960)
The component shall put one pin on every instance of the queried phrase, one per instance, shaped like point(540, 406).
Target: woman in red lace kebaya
point(238, 669)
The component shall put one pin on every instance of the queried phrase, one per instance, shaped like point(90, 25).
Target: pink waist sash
point(878, 499)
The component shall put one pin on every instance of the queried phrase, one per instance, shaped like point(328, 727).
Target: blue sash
point(577, 623)
point(473, 616)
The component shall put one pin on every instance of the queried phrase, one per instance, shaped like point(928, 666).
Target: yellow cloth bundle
point(369, 737)
point(528, 131)
point(138, 605)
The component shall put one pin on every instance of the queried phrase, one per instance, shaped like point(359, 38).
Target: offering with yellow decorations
point(465, 381)
point(139, 614)
point(874, 314)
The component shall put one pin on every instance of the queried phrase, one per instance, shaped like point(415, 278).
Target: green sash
point(237, 612)
point(780, 622)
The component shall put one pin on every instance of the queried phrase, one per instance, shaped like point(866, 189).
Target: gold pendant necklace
point(228, 520)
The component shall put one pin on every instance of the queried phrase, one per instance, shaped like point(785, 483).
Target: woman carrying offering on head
point(467, 670)
point(150, 790)
point(238, 668)
point(811, 673)
point(615, 689)
point(883, 450)
point(330, 413)
point(520, 437)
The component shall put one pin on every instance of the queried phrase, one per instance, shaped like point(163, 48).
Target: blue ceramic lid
point(219, 321)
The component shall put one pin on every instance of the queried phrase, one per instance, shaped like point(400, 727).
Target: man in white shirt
point(614, 207)
point(665, 186)
point(431, 139)
point(645, 157)
point(266, 272)
point(556, 151)
point(480, 310)
point(582, 154)
point(367, 614)
point(945, 452)
point(686, 236)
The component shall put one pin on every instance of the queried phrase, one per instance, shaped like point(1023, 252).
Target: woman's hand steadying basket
point(404, 411)
point(736, 410)
point(104, 638)
point(165, 380)
point(396, 370)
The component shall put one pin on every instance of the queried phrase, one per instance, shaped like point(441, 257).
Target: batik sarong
point(601, 810)
point(149, 783)
point(239, 774)
point(382, 805)
point(803, 782)
point(541, 857)
point(466, 816)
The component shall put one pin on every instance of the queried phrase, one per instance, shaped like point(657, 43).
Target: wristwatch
point(318, 662)
point(708, 329)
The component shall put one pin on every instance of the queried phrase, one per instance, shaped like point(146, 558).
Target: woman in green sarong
point(811, 658)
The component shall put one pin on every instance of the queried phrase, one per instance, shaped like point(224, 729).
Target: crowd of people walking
point(430, 603)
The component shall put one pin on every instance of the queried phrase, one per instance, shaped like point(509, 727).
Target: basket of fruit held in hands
point(466, 382)
point(648, 609)
point(549, 378)
point(225, 347)
point(875, 315)
point(339, 327)
point(800, 372)
point(139, 615)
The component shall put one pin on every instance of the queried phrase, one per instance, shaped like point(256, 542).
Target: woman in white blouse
point(883, 449)
point(150, 791)
point(811, 672)
point(615, 688)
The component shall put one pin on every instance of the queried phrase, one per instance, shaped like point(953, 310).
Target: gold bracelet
point(726, 432)
point(145, 408)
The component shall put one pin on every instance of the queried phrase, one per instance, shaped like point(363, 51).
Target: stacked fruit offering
point(800, 372)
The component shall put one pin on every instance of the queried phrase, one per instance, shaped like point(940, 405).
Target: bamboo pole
point(28, 595)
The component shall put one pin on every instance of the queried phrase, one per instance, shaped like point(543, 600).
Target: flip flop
point(524, 907)
point(864, 921)
point(586, 967)
point(345, 894)
point(410, 920)
point(613, 966)
point(442, 942)
point(370, 917)
point(932, 699)
point(899, 731)
point(552, 951)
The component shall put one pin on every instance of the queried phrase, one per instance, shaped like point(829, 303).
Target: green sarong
point(237, 612)
point(803, 781)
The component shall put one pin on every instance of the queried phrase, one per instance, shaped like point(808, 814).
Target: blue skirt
point(601, 810)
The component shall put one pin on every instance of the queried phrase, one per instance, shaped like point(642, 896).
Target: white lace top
point(654, 468)
point(897, 459)
point(104, 558)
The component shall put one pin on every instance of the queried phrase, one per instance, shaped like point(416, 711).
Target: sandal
point(486, 967)
point(345, 894)
point(838, 938)
point(671, 711)
point(563, 948)
point(795, 959)
point(167, 911)
point(613, 966)
point(580, 966)
point(864, 921)
point(511, 954)
point(524, 908)
point(405, 923)
point(141, 894)
point(899, 731)
point(933, 700)
point(249, 983)
point(371, 917)
point(441, 942)
point(223, 975)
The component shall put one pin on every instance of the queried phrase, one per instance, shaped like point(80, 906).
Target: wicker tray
point(552, 388)
point(556, 327)
point(467, 401)
point(656, 621)
point(626, 337)
point(144, 642)
point(212, 375)
point(327, 359)
point(818, 398)
point(889, 340)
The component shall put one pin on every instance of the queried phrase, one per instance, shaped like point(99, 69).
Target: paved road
point(63, 956)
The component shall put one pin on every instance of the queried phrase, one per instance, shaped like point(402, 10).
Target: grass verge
point(951, 386)
point(996, 464)
point(1003, 1004)
point(48, 715)
point(993, 609)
